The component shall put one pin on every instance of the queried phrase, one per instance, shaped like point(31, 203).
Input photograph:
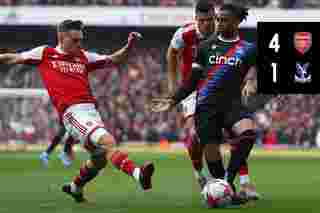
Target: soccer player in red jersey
point(183, 48)
point(64, 71)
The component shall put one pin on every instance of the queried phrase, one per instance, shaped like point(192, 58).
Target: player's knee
point(243, 126)
point(106, 141)
point(249, 135)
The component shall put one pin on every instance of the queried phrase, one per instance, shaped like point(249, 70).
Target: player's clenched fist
point(133, 37)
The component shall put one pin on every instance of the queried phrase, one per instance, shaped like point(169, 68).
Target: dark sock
point(240, 154)
point(56, 140)
point(85, 176)
point(216, 169)
point(54, 143)
point(195, 152)
point(68, 145)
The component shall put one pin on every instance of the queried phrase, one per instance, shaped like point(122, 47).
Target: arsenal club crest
point(302, 41)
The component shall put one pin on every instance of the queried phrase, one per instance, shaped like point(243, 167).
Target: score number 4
point(274, 44)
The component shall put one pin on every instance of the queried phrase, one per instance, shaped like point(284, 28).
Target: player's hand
point(250, 88)
point(133, 38)
point(161, 104)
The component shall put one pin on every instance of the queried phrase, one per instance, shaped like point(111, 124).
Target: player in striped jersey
point(228, 18)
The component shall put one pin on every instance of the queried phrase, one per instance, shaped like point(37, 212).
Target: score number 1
point(274, 44)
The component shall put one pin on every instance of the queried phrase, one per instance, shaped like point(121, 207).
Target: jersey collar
point(229, 40)
point(59, 50)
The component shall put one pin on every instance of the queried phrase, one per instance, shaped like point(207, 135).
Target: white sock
point(74, 187)
point(244, 179)
point(136, 173)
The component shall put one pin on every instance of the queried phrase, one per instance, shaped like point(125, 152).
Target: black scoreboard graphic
point(288, 57)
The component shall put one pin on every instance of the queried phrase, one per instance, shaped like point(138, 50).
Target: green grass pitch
point(289, 183)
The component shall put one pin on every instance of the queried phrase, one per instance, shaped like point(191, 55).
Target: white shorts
point(83, 122)
point(189, 105)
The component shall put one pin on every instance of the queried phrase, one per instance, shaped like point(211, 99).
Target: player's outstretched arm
point(33, 56)
point(121, 55)
point(9, 56)
point(172, 60)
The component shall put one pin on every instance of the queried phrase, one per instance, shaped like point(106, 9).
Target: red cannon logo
point(302, 41)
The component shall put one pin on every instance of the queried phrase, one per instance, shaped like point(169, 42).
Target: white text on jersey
point(225, 60)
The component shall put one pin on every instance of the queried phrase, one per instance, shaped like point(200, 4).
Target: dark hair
point(203, 6)
point(239, 11)
point(69, 24)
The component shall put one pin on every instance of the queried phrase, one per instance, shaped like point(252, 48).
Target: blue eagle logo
point(302, 74)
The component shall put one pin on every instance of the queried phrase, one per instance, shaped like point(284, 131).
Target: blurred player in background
point(64, 70)
point(66, 155)
point(227, 21)
point(182, 49)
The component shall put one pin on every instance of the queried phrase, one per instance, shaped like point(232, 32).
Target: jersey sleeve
point(190, 85)
point(98, 61)
point(177, 41)
point(33, 56)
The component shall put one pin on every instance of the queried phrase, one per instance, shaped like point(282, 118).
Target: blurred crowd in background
point(123, 92)
point(165, 3)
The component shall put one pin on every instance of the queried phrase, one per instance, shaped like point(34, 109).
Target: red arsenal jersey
point(65, 76)
point(187, 38)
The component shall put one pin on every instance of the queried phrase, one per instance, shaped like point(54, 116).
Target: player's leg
point(247, 188)
point(244, 178)
point(86, 125)
point(88, 171)
point(191, 141)
point(246, 136)
point(195, 150)
point(101, 145)
point(211, 137)
point(119, 159)
point(44, 156)
point(210, 134)
point(66, 153)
